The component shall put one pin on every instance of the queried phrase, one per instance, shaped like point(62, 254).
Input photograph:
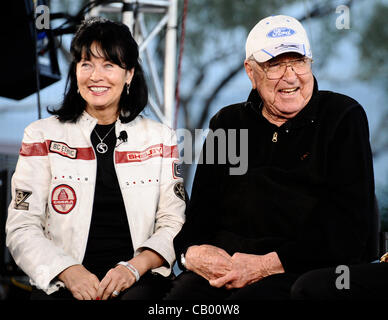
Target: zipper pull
point(275, 137)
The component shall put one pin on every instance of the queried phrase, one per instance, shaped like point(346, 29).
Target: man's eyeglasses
point(276, 70)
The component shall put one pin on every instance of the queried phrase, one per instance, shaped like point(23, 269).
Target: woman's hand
point(80, 282)
point(116, 279)
point(121, 278)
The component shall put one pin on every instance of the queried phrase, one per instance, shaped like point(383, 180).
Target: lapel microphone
point(123, 137)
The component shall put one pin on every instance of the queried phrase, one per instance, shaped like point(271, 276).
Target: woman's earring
point(78, 90)
point(127, 88)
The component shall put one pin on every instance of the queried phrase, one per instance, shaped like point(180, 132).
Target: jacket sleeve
point(32, 251)
point(338, 228)
point(170, 214)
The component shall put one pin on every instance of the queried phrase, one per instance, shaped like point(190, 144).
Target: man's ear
point(250, 72)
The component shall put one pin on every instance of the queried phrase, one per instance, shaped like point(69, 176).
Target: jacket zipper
point(275, 137)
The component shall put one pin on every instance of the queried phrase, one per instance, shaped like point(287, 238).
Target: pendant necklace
point(102, 147)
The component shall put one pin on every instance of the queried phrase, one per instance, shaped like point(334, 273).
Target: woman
point(96, 203)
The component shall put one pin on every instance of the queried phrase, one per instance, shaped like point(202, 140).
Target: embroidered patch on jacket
point(179, 190)
point(158, 150)
point(151, 152)
point(20, 199)
point(177, 170)
point(63, 199)
point(63, 149)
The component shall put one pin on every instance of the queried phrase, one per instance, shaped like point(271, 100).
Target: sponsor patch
point(20, 199)
point(177, 170)
point(280, 32)
point(63, 199)
point(63, 149)
point(158, 150)
point(179, 190)
point(151, 152)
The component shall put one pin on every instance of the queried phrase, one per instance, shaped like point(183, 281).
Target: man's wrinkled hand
point(208, 261)
point(248, 269)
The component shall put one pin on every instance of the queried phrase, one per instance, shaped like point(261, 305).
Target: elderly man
point(307, 198)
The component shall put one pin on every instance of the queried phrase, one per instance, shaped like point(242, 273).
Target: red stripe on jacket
point(159, 150)
point(37, 149)
point(33, 149)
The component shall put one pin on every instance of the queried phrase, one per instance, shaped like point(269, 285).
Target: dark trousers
point(190, 286)
point(149, 287)
point(366, 281)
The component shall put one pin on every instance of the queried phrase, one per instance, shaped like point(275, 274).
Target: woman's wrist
point(131, 269)
point(146, 260)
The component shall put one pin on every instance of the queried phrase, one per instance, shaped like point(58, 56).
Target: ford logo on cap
point(280, 32)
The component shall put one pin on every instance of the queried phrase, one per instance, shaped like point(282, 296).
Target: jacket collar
point(306, 116)
point(88, 122)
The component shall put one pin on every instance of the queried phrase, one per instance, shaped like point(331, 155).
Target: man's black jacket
point(309, 196)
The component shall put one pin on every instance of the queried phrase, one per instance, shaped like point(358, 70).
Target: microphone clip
point(123, 137)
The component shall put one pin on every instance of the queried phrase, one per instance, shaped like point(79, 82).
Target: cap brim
point(268, 53)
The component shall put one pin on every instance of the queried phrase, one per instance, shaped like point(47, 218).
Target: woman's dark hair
point(117, 45)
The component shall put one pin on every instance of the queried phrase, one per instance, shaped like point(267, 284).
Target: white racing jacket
point(53, 191)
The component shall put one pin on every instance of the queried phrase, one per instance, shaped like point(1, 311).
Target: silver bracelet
point(131, 268)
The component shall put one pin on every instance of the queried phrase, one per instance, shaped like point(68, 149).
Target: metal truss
point(162, 93)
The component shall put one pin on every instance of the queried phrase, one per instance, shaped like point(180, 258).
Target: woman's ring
point(115, 293)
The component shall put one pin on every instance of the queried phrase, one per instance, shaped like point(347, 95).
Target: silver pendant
point(102, 147)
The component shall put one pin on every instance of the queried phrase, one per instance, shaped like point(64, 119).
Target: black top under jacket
point(109, 240)
point(308, 196)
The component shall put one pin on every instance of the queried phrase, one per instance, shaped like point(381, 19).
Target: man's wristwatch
point(183, 260)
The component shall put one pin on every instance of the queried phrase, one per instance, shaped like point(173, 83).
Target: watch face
point(183, 260)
